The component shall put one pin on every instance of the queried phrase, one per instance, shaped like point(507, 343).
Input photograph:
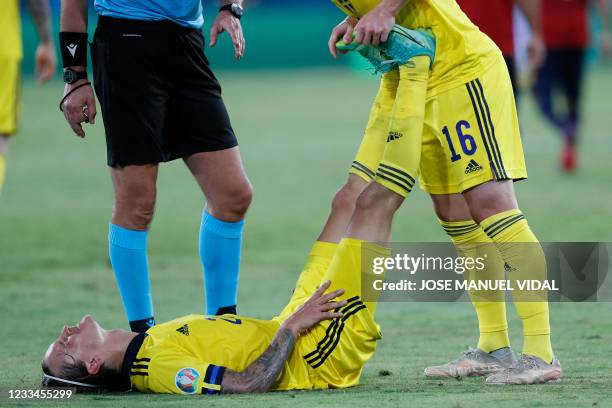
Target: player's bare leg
point(494, 206)
point(493, 352)
point(374, 213)
point(451, 207)
point(221, 176)
point(343, 206)
point(490, 198)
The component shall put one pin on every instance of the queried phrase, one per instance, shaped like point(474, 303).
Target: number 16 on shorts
point(467, 141)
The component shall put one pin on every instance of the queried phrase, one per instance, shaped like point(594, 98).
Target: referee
point(160, 101)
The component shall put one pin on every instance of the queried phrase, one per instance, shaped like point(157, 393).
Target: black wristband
point(74, 49)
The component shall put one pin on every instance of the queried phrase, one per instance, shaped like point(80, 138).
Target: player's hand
point(343, 30)
point(45, 61)
point(537, 51)
point(79, 107)
point(375, 26)
point(225, 21)
point(319, 307)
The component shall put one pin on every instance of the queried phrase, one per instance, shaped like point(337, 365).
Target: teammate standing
point(160, 102)
point(11, 54)
point(496, 17)
point(565, 27)
point(457, 127)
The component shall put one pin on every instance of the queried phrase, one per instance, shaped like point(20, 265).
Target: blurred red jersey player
point(565, 26)
point(495, 18)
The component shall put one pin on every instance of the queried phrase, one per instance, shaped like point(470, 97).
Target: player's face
point(74, 343)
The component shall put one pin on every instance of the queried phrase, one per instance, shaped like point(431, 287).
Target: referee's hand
point(79, 107)
point(225, 21)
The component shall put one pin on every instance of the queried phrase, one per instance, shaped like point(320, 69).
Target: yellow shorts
point(335, 351)
point(470, 136)
point(9, 95)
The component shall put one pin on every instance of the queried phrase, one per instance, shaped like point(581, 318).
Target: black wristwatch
point(236, 9)
point(71, 76)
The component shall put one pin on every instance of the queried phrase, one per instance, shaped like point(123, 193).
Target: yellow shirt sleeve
point(175, 371)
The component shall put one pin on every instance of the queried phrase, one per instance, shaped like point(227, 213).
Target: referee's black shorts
point(160, 101)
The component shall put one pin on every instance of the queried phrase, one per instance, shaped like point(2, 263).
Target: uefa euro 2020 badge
point(186, 380)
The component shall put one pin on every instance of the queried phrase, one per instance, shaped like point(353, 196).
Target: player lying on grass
point(454, 126)
point(320, 340)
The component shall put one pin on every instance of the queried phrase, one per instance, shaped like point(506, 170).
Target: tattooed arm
point(41, 15)
point(46, 61)
point(260, 375)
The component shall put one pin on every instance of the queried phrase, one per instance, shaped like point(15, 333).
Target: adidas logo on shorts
point(473, 167)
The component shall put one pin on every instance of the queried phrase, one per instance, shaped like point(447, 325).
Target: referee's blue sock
point(220, 248)
point(128, 255)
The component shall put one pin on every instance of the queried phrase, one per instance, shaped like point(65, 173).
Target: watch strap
point(81, 75)
point(229, 7)
point(74, 75)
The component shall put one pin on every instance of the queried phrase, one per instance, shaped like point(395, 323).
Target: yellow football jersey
point(10, 30)
point(463, 52)
point(189, 355)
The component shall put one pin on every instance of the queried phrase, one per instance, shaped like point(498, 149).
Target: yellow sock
point(2, 170)
point(468, 238)
point(524, 259)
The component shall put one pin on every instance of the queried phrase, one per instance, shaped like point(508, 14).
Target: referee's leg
point(135, 190)
point(228, 193)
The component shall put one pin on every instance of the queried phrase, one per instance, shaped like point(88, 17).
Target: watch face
point(237, 10)
point(70, 76)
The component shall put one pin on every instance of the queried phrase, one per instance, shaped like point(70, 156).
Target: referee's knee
point(232, 204)
point(136, 213)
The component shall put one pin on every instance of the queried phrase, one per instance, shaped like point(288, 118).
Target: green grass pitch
point(298, 132)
